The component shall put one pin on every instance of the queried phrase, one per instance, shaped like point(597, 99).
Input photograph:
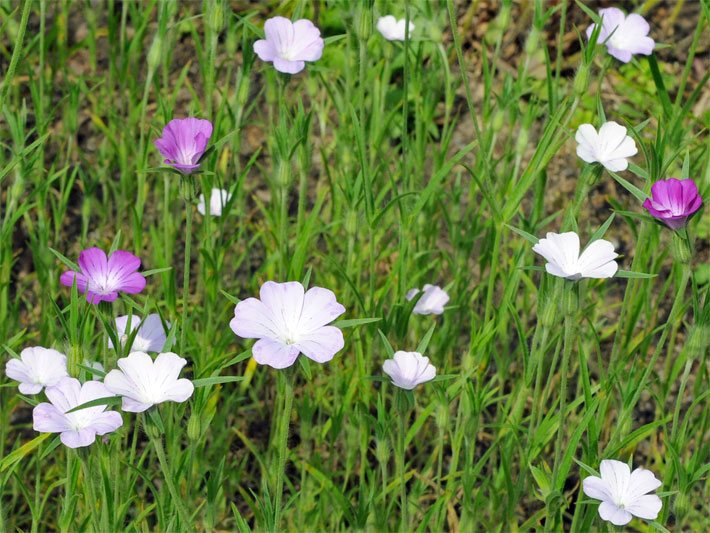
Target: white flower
point(562, 253)
point(37, 368)
point(393, 29)
point(144, 383)
point(288, 321)
point(624, 494)
point(624, 35)
point(79, 428)
point(218, 199)
point(409, 369)
point(149, 338)
point(610, 147)
point(432, 302)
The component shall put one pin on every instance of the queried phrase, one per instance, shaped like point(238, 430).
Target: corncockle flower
point(144, 383)
point(409, 369)
point(610, 147)
point(624, 36)
point(79, 428)
point(218, 199)
point(37, 368)
point(149, 338)
point(184, 142)
point(102, 278)
point(288, 45)
point(563, 259)
point(673, 201)
point(393, 29)
point(432, 301)
point(624, 494)
point(288, 321)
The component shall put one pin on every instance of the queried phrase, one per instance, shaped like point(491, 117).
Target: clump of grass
point(383, 166)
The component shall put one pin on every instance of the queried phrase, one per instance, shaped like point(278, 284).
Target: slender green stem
point(188, 193)
point(570, 304)
point(157, 441)
point(285, 396)
point(403, 416)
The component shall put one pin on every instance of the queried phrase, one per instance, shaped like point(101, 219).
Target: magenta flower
point(673, 201)
point(79, 428)
point(102, 278)
point(288, 45)
point(289, 321)
point(184, 142)
point(624, 36)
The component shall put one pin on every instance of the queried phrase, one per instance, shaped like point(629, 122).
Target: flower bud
point(498, 120)
point(216, 17)
point(581, 80)
point(531, 43)
point(680, 506)
point(154, 58)
point(194, 427)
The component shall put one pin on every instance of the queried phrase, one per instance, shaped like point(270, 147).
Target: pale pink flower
point(288, 45)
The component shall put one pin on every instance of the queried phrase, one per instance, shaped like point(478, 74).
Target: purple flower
point(102, 278)
point(79, 428)
point(288, 321)
point(184, 142)
point(673, 201)
point(288, 45)
point(623, 35)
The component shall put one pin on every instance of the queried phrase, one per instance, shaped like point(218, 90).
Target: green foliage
point(382, 167)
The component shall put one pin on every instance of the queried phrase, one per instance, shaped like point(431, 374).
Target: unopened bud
point(581, 80)
point(194, 427)
point(154, 58)
point(532, 42)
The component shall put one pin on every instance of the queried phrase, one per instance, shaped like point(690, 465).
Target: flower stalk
point(285, 400)
point(570, 306)
point(402, 399)
point(156, 440)
point(187, 187)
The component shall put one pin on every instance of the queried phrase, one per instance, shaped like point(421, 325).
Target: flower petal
point(321, 345)
point(611, 513)
point(274, 353)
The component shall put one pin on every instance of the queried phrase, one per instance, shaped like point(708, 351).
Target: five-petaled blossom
point(610, 147)
point(624, 36)
point(36, 368)
point(289, 321)
point(393, 29)
point(184, 142)
point(218, 199)
point(150, 336)
point(563, 259)
point(144, 383)
point(79, 428)
point(409, 369)
point(431, 302)
point(624, 494)
point(102, 278)
point(288, 45)
point(673, 201)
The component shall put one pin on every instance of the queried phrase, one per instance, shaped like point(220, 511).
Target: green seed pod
point(351, 223)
